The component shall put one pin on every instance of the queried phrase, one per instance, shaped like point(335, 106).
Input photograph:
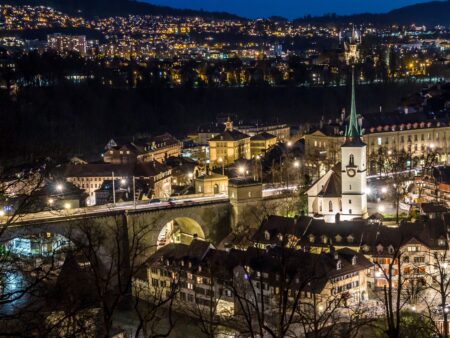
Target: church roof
point(333, 187)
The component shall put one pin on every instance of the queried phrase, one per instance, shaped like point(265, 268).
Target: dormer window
point(338, 238)
point(350, 238)
point(280, 237)
point(200, 268)
point(267, 235)
point(339, 265)
point(311, 238)
point(354, 260)
point(441, 242)
point(324, 239)
point(190, 265)
point(366, 248)
point(391, 249)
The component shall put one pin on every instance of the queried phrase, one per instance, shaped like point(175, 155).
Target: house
point(261, 143)
point(228, 146)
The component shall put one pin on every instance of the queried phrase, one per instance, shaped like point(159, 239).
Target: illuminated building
point(67, 43)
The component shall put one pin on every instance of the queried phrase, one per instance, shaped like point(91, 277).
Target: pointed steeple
point(352, 130)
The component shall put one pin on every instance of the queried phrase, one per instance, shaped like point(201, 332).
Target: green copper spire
point(353, 131)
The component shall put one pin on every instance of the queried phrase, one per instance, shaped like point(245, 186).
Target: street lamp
point(59, 187)
point(2, 213)
point(241, 170)
point(51, 201)
point(220, 160)
point(289, 144)
point(384, 190)
point(381, 208)
point(67, 206)
point(123, 181)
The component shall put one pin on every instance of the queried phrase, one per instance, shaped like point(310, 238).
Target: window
point(330, 206)
point(350, 187)
point(420, 259)
point(379, 141)
point(351, 160)
point(339, 265)
point(190, 286)
point(349, 201)
point(350, 211)
point(266, 235)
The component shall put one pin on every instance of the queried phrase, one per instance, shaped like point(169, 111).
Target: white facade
point(354, 181)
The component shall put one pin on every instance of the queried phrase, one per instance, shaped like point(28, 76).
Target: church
point(341, 192)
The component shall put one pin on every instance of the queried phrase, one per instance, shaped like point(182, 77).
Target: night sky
point(288, 8)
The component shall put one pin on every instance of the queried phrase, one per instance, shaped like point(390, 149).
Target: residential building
point(384, 135)
point(228, 146)
point(261, 143)
point(157, 148)
point(67, 43)
point(91, 176)
point(416, 242)
point(213, 279)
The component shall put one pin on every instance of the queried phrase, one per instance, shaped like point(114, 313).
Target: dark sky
point(288, 8)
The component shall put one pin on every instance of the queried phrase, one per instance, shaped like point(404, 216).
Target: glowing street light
point(123, 181)
point(220, 160)
point(384, 190)
point(67, 206)
point(289, 144)
point(296, 164)
point(381, 208)
point(190, 175)
point(241, 170)
point(2, 213)
point(51, 201)
point(59, 187)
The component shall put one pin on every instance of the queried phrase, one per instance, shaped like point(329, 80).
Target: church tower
point(354, 168)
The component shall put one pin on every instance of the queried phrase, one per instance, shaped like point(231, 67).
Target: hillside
point(429, 13)
point(105, 8)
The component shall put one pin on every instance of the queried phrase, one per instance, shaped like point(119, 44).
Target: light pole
point(297, 167)
point(114, 189)
point(134, 192)
point(220, 160)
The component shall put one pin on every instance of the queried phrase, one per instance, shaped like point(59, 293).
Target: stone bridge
point(209, 221)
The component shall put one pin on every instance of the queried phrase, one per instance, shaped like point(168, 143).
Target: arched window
point(330, 206)
point(351, 161)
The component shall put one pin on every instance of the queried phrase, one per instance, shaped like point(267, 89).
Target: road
point(188, 200)
point(100, 209)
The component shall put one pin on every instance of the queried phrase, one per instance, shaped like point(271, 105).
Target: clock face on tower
point(351, 172)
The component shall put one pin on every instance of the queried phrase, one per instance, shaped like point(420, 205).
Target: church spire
point(353, 131)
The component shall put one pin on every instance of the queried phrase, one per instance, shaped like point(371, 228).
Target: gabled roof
point(333, 187)
point(262, 137)
point(230, 135)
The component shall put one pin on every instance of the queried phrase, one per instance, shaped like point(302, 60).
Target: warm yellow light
point(67, 206)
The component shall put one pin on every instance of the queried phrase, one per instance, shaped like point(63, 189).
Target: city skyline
point(290, 9)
